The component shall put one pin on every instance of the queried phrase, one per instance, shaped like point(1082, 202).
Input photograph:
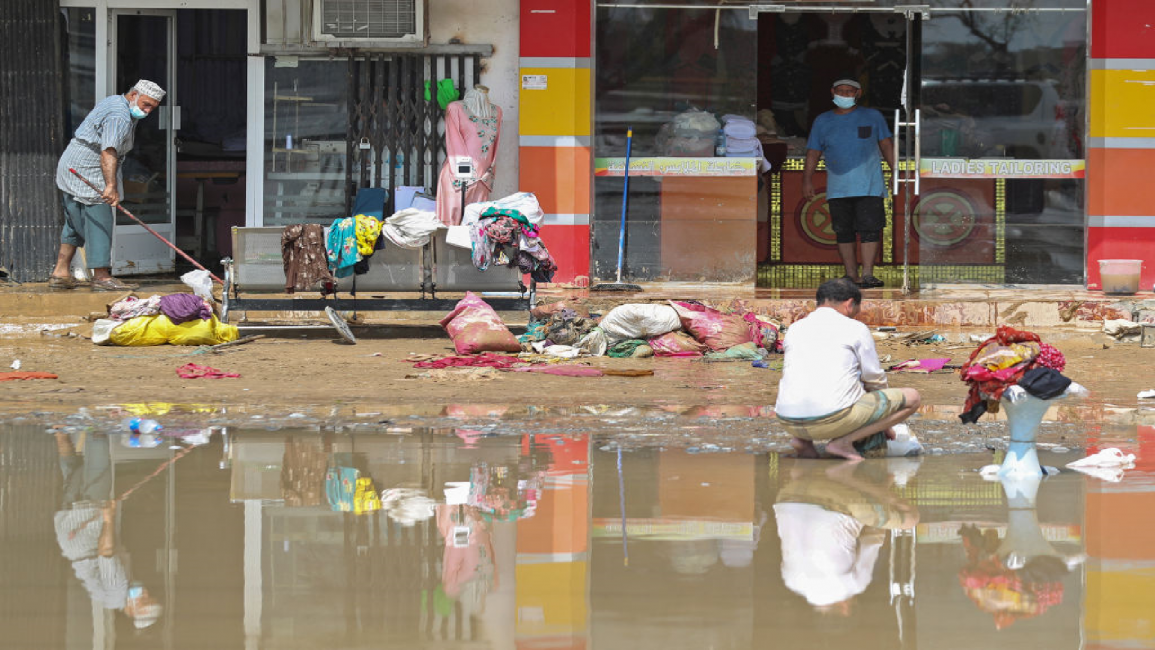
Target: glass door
point(998, 111)
point(142, 45)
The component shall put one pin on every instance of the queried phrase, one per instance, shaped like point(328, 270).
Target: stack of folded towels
point(742, 140)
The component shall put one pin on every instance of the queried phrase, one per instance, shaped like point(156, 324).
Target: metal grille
point(368, 18)
point(30, 139)
point(396, 137)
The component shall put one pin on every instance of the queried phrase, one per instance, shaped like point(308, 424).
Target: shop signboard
point(677, 166)
point(999, 168)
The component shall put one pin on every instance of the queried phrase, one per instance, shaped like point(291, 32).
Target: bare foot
point(804, 448)
point(842, 450)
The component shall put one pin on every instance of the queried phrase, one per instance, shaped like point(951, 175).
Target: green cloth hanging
point(446, 92)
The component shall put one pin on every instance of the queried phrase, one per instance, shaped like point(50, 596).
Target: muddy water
point(517, 541)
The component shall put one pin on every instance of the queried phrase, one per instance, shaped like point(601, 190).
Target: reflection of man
point(832, 525)
point(832, 386)
point(86, 530)
point(850, 139)
point(95, 152)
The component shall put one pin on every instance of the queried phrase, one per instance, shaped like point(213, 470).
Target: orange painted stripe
point(1114, 179)
point(559, 176)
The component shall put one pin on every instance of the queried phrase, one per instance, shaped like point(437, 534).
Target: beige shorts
point(871, 408)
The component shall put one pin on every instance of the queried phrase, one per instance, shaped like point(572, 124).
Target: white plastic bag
point(201, 282)
point(102, 331)
point(639, 321)
point(905, 443)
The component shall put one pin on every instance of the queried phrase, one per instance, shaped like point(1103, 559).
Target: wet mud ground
point(318, 380)
point(538, 511)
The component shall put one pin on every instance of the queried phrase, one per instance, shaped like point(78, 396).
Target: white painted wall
point(489, 22)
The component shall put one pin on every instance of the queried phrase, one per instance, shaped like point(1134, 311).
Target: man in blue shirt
point(853, 140)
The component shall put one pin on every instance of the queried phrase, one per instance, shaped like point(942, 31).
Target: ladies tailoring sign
point(1000, 168)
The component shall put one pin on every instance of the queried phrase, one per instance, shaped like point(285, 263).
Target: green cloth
point(446, 92)
point(512, 214)
point(625, 348)
point(743, 352)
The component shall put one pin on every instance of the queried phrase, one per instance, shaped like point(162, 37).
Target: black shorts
point(864, 215)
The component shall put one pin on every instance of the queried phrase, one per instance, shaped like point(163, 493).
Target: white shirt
point(823, 559)
point(830, 361)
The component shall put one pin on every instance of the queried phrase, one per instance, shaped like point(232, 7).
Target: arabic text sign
point(677, 166)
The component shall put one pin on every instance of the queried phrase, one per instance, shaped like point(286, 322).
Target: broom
point(619, 285)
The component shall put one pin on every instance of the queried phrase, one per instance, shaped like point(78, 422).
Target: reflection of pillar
point(1024, 537)
point(253, 577)
point(499, 617)
point(553, 553)
point(902, 574)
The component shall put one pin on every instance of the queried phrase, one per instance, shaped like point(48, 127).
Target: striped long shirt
point(108, 126)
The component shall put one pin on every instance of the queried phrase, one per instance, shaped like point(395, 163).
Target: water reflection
point(522, 541)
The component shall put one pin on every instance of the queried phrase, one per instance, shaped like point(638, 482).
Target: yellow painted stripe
point(1122, 103)
point(563, 108)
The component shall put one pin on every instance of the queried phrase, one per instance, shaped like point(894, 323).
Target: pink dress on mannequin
point(467, 135)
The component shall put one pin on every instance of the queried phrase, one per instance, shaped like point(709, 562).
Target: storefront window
point(672, 75)
point(306, 119)
point(80, 62)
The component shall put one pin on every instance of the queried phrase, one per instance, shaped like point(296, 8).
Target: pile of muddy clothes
point(174, 319)
point(315, 260)
point(503, 232)
point(675, 329)
point(1011, 358)
point(506, 232)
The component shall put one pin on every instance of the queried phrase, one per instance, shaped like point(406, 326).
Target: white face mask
point(843, 102)
point(136, 111)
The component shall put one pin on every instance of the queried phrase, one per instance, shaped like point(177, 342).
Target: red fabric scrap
point(562, 371)
point(481, 361)
point(193, 371)
point(25, 374)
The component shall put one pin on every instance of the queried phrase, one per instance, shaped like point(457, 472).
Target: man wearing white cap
point(851, 138)
point(96, 151)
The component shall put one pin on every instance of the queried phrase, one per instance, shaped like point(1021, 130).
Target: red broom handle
point(155, 233)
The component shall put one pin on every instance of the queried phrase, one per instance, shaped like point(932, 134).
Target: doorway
point(185, 175)
point(987, 110)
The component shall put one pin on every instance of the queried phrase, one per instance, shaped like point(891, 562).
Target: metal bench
point(257, 268)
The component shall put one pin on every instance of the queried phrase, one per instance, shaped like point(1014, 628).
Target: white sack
point(102, 330)
point(639, 321)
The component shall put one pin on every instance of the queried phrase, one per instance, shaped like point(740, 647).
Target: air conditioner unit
point(365, 23)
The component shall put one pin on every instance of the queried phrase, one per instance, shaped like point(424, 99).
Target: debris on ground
point(193, 371)
point(25, 374)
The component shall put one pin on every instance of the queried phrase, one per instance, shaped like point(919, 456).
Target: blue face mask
point(137, 112)
point(843, 102)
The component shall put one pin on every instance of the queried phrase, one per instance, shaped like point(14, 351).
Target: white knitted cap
point(149, 89)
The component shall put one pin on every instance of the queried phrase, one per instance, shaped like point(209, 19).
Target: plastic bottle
point(138, 425)
point(720, 144)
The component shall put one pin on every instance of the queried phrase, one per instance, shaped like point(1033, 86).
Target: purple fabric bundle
point(183, 307)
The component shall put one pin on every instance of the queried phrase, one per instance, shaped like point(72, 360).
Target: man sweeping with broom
point(95, 152)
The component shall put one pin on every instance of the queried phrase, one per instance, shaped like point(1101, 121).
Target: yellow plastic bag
point(366, 499)
point(159, 330)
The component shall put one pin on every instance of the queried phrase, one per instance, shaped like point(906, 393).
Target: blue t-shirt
point(849, 143)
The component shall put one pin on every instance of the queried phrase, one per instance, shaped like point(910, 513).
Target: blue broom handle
point(625, 195)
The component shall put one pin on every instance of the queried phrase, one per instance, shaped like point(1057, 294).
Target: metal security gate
point(396, 136)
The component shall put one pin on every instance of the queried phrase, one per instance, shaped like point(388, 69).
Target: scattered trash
point(759, 363)
point(16, 364)
point(11, 376)
point(562, 371)
point(481, 360)
point(1146, 394)
point(714, 329)
point(920, 365)
point(201, 282)
point(193, 371)
point(627, 373)
point(1121, 328)
point(456, 374)
point(629, 348)
point(1107, 465)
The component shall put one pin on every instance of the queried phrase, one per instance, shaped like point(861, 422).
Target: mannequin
point(472, 128)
